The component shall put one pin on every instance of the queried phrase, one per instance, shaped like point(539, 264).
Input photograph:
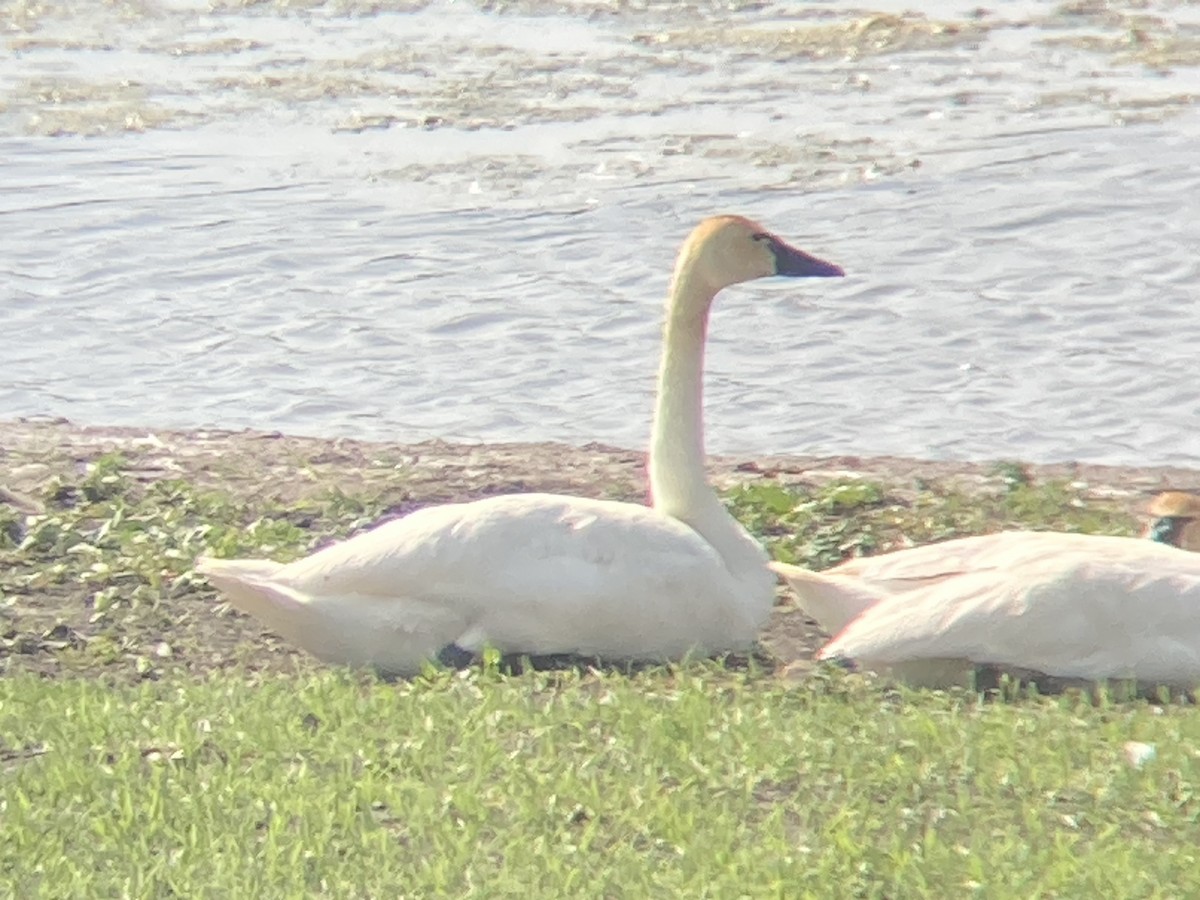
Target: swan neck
point(677, 477)
point(678, 480)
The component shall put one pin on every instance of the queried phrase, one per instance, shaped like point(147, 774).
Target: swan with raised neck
point(554, 574)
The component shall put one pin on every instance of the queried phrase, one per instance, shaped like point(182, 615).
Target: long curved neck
point(677, 479)
point(678, 484)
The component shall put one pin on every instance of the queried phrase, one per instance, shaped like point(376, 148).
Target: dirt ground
point(289, 467)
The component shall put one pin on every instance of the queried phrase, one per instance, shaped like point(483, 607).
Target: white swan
point(550, 574)
point(1079, 606)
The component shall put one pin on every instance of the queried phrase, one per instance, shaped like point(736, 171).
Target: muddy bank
point(53, 613)
point(287, 466)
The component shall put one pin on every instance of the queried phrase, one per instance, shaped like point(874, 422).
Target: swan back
point(525, 573)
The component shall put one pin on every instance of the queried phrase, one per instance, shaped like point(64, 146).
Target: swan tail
point(247, 584)
point(834, 602)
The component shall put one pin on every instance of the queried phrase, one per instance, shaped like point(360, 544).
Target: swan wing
point(539, 573)
point(917, 567)
point(837, 596)
point(1101, 608)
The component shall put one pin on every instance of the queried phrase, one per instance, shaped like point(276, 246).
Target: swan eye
point(761, 236)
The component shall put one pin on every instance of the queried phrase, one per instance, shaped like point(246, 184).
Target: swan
point(1089, 607)
point(543, 574)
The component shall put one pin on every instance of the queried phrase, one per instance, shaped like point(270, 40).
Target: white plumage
point(1067, 605)
point(541, 573)
point(534, 573)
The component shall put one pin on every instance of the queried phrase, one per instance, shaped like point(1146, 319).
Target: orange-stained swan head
point(727, 250)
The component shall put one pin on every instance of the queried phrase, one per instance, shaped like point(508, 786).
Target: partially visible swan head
point(726, 250)
point(1176, 520)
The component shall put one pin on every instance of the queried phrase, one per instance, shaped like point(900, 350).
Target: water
point(452, 219)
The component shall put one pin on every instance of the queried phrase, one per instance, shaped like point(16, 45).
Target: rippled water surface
point(401, 220)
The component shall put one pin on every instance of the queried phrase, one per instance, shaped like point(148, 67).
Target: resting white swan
point(548, 574)
point(1067, 605)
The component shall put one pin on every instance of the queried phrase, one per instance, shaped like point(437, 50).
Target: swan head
point(1176, 520)
point(727, 250)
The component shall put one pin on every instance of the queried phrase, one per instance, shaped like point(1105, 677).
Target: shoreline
point(31, 451)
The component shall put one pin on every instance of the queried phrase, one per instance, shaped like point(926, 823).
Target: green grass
point(822, 527)
point(131, 539)
point(148, 773)
point(104, 572)
point(687, 782)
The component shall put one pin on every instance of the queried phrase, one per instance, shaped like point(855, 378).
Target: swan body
point(1090, 607)
point(534, 573)
point(549, 574)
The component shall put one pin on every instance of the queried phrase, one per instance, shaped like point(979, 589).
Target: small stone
point(1138, 754)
